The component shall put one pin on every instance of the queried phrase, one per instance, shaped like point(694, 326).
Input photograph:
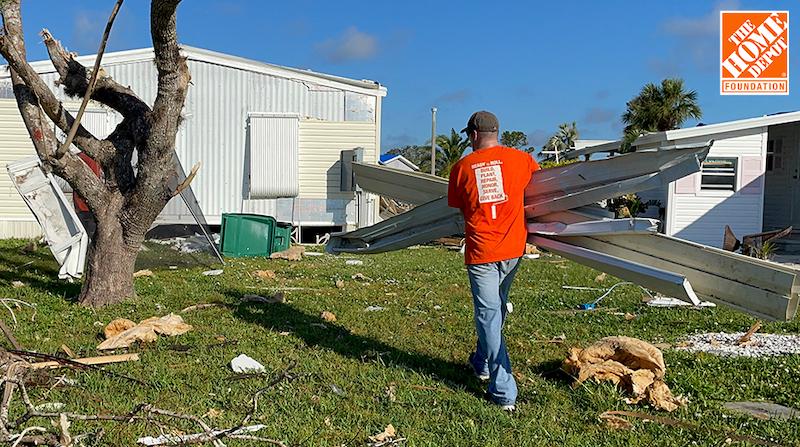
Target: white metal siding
point(214, 132)
point(702, 216)
point(272, 150)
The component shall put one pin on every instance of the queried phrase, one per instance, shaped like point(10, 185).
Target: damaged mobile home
point(269, 139)
point(563, 218)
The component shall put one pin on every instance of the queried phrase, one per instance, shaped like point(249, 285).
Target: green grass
point(418, 345)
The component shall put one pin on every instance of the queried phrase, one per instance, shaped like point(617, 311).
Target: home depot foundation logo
point(754, 52)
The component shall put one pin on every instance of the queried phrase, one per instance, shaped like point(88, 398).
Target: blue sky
point(535, 64)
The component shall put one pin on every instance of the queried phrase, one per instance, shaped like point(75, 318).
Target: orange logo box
point(754, 52)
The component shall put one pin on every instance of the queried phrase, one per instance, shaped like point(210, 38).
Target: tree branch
point(47, 100)
point(74, 127)
point(70, 167)
point(74, 77)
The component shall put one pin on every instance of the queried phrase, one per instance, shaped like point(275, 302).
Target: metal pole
point(433, 140)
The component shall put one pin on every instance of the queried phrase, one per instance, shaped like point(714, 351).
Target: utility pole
point(433, 140)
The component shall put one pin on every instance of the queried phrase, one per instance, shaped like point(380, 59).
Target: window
point(774, 155)
point(718, 174)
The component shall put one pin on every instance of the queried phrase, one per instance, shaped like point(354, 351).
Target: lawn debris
point(199, 306)
point(727, 344)
point(615, 422)
point(337, 391)
point(146, 331)
point(66, 349)
point(687, 425)
point(747, 337)
point(278, 298)
point(313, 253)
point(601, 277)
point(361, 277)
point(632, 364)
point(629, 316)
point(294, 253)
point(387, 437)
point(51, 407)
point(100, 360)
point(328, 316)
point(354, 262)
point(265, 274)
point(141, 273)
point(665, 301)
point(215, 272)
point(117, 327)
point(339, 284)
point(18, 284)
point(374, 309)
point(10, 335)
point(763, 410)
point(245, 364)
point(197, 438)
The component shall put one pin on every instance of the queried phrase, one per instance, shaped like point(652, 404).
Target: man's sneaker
point(483, 376)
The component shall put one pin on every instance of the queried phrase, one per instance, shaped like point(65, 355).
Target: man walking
point(488, 187)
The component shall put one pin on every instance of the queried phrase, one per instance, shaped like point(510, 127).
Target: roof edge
point(367, 87)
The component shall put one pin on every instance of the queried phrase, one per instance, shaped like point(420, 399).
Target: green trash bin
point(282, 237)
point(247, 235)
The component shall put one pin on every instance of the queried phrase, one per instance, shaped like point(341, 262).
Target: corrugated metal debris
point(562, 217)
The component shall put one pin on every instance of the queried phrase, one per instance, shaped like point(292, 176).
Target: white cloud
point(350, 46)
point(696, 41)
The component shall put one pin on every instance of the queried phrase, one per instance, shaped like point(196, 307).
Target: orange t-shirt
point(488, 186)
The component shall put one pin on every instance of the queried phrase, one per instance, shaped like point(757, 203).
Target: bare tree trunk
point(124, 202)
point(109, 271)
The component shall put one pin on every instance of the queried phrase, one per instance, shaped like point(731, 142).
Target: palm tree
point(562, 140)
point(659, 108)
point(567, 133)
point(450, 151)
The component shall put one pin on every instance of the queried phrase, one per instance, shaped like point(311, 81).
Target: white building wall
point(16, 219)
point(701, 216)
point(214, 131)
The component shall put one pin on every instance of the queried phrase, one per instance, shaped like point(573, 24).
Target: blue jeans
point(490, 284)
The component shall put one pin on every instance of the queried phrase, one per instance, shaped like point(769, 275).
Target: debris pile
point(191, 244)
point(122, 333)
point(634, 365)
point(759, 345)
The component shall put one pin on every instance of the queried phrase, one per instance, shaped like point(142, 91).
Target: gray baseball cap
point(482, 121)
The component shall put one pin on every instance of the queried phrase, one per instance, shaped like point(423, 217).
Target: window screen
point(719, 174)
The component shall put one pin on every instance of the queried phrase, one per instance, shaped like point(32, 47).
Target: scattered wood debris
point(635, 365)
point(361, 277)
point(146, 331)
point(265, 274)
point(746, 338)
point(387, 437)
point(294, 253)
point(199, 306)
point(763, 410)
point(66, 349)
point(328, 316)
point(18, 284)
point(100, 360)
point(141, 273)
point(339, 284)
point(215, 272)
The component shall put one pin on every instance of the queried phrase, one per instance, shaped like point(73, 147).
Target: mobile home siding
point(214, 131)
point(701, 216)
point(16, 219)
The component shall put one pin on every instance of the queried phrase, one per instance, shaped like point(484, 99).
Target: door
point(782, 178)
